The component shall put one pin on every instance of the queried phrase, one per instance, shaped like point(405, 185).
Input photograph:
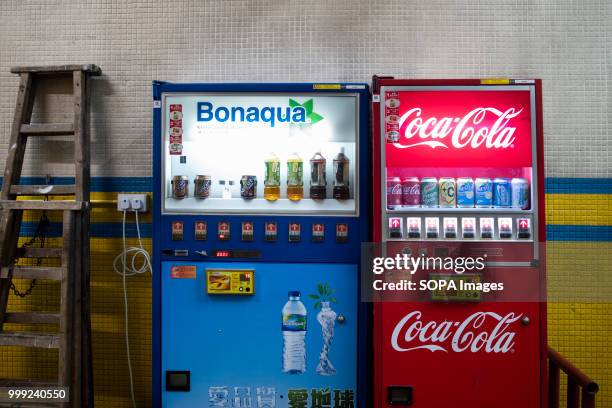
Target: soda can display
point(483, 187)
point(447, 189)
point(502, 192)
point(180, 186)
point(411, 192)
point(202, 186)
point(248, 187)
point(520, 193)
point(429, 192)
point(465, 192)
point(394, 192)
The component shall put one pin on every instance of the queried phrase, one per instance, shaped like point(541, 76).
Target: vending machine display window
point(448, 151)
point(258, 153)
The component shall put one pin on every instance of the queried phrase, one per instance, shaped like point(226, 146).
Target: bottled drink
point(520, 193)
point(295, 174)
point(447, 188)
point(465, 192)
point(272, 178)
point(411, 192)
point(180, 186)
point(502, 193)
point(394, 193)
point(317, 176)
point(429, 192)
point(484, 192)
point(294, 335)
point(341, 176)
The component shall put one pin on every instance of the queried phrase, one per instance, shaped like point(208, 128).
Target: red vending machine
point(460, 319)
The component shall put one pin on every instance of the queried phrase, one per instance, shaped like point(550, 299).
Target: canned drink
point(394, 192)
point(483, 187)
point(447, 191)
point(202, 186)
point(248, 187)
point(520, 193)
point(465, 192)
point(180, 186)
point(502, 192)
point(411, 192)
point(429, 192)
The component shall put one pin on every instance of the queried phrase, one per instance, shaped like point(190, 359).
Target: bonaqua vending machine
point(459, 196)
point(261, 202)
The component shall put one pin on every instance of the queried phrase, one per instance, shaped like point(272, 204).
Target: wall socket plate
point(125, 202)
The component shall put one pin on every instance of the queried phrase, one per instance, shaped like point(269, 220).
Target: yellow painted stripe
point(561, 209)
point(579, 209)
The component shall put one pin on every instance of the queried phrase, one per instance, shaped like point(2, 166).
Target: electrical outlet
point(132, 202)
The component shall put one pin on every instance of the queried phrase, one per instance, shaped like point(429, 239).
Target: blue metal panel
point(236, 341)
point(275, 256)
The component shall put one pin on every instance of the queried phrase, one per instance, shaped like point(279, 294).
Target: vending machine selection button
point(414, 227)
point(432, 225)
point(486, 228)
point(294, 232)
point(341, 233)
point(271, 231)
point(450, 227)
point(318, 232)
point(396, 227)
point(504, 226)
point(523, 228)
point(223, 231)
point(468, 227)
point(200, 230)
point(177, 230)
point(247, 231)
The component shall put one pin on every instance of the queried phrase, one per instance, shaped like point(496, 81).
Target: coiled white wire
point(130, 270)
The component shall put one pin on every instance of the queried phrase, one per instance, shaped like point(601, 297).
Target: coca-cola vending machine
point(458, 278)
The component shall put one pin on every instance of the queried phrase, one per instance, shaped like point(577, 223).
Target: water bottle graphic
point(294, 335)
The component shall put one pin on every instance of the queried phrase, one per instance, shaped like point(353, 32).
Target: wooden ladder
point(73, 339)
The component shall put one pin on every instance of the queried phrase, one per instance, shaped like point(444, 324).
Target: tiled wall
point(567, 43)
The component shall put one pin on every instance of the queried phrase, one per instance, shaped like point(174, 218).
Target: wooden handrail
point(576, 380)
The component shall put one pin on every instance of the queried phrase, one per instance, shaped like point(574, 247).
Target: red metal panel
point(448, 376)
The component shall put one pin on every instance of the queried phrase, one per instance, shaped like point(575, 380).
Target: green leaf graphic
point(308, 105)
point(314, 118)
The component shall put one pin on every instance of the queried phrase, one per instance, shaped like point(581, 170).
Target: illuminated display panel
point(227, 136)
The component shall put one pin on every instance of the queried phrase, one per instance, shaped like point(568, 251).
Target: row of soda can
point(464, 192)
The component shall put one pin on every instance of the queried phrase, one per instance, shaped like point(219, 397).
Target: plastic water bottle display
point(327, 319)
point(294, 335)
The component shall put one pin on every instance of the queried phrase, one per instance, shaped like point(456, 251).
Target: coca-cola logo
point(411, 333)
point(464, 131)
point(412, 190)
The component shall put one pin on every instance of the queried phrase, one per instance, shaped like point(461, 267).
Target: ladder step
point(26, 339)
point(43, 189)
point(47, 129)
point(31, 317)
point(30, 252)
point(32, 272)
point(58, 205)
point(58, 69)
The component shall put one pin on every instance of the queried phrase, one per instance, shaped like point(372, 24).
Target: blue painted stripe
point(593, 233)
point(97, 230)
point(99, 184)
point(554, 185)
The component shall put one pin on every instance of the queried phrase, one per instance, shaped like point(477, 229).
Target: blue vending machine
point(261, 203)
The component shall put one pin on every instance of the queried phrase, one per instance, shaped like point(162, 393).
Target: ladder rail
point(73, 340)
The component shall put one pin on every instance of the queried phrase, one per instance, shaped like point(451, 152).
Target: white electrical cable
point(131, 271)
